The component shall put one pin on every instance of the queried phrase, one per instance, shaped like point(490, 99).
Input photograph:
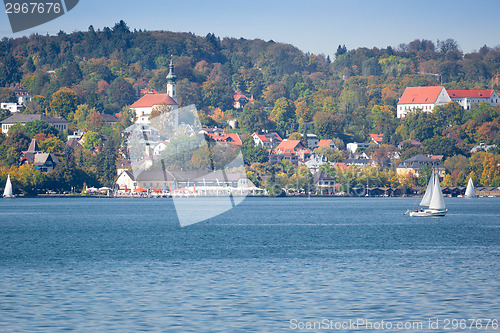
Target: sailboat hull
point(429, 213)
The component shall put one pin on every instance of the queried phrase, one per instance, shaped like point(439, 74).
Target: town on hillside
point(369, 123)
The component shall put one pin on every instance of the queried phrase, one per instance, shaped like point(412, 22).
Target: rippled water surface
point(125, 265)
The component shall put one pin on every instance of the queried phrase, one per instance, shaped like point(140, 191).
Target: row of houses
point(427, 98)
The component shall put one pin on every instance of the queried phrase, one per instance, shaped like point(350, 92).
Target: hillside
point(83, 74)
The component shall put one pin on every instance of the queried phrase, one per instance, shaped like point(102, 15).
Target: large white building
point(60, 124)
point(162, 102)
point(421, 98)
point(467, 98)
point(426, 98)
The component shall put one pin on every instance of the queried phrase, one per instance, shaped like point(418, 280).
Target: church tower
point(171, 78)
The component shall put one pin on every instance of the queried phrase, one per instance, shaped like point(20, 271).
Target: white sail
point(437, 201)
point(426, 200)
point(7, 193)
point(470, 192)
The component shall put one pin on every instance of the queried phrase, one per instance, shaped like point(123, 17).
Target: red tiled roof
point(233, 138)
point(150, 100)
point(148, 91)
point(377, 137)
point(411, 141)
point(264, 138)
point(470, 93)
point(420, 95)
point(342, 166)
point(237, 95)
point(324, 142)
point(288, 145)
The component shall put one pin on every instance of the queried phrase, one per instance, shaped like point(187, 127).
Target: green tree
point(121, 92)
point(107, 163)
point(283, 114)
point(327, 125)
point(254, 118)
point(39, 126)
point(448, 115)
point(7, 95)
point(217, 93)
point(64, 103)
point(18, 140)
point(30, 179)
point(9, 70)
point(71, 75)
point(252, 153)
point(447, 181)
point(456, 162)
point(490, 169)
point(81, 117)
point(52, 145)
point(440, 145)
point(95, 122)
point(91, 139)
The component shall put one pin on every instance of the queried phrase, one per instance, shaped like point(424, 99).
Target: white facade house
point(126, 181)
point(421, 98)
point(267, 140)
point(467, 98)
point(12, 107)
point(316, 161)
point(352, 147)
point(60, 124)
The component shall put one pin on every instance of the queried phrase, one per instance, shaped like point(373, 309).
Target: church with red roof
point(152, 100)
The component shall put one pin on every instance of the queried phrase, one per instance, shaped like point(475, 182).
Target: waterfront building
point(414, 164)
point(44, 162)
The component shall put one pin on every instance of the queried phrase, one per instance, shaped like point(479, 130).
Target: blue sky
point(316, 26)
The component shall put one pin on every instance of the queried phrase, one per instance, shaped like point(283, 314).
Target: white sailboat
point(470, 192)
point(432, 203)
point(7, 192)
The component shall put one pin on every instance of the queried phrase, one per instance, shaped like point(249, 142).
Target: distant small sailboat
point(7, 192)
point(470, 192)
point(432, 203)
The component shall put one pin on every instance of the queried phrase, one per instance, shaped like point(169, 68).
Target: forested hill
point(106, 68)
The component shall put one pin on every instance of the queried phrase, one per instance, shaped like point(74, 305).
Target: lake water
point(269, 265)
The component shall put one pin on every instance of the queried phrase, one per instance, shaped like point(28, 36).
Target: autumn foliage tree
point(64, 103)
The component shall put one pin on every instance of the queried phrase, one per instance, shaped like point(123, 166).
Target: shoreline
point(103, 196)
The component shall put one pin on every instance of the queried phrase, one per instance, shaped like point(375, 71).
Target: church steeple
point(171, 78)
